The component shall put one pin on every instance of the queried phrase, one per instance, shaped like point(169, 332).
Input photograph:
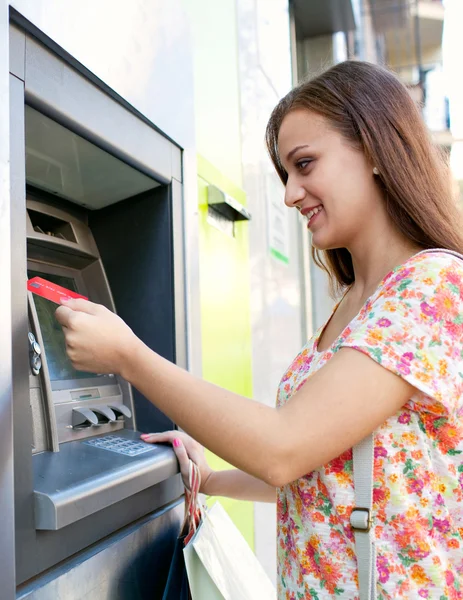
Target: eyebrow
point(294, 150)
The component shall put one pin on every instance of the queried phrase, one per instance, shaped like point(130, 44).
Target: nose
point(294, 193)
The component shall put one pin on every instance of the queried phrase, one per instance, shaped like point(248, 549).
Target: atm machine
point(96, 208)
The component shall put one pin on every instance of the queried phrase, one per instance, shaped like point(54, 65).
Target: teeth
point(313, 212)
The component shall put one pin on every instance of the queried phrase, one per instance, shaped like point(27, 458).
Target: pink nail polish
point(177, 442)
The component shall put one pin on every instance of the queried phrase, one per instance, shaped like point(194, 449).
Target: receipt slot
point(97, 197)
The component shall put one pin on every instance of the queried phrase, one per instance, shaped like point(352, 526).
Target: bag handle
point(361, 516)
point(194, 512)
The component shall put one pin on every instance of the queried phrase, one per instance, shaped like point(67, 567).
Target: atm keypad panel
point(120, 445)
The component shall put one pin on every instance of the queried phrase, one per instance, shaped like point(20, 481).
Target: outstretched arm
point(336, 408)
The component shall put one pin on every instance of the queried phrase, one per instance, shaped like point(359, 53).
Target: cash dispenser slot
point(104, 414)
point(83, 417)
point(122, 411)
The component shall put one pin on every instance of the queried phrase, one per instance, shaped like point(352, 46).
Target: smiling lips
point(310, 213)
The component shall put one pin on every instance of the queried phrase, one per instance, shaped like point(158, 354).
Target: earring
point(375, 171)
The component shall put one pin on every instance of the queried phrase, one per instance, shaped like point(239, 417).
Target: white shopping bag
point(221, 565)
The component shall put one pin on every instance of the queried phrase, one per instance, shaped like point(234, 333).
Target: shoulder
point(425, 295)
point(428, 272)
point(435, 260)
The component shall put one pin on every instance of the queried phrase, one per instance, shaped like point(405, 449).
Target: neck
point(375, 255)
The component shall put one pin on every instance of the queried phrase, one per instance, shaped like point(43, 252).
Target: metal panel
point(193, 333)
point(51, 442)
point(323, 17)
point(39, 424)
point(50, 548)
point(64, 163)
point(83, 479)
point(178, 219)
point(177, 163)
point(7, 567)
point(17, 52)
point(22, 412)
point(59, 91)
point(129, 566)
point(142, 260)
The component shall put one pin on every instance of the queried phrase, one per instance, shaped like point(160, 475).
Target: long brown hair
point(373, 110)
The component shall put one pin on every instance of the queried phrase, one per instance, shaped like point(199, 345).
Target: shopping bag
point(177, 581)
point(177, 587)
point(219, 563)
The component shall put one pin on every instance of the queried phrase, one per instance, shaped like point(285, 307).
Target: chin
point(319, 243)
point(322, 241)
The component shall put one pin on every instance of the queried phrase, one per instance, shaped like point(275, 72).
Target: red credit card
point(50, 290)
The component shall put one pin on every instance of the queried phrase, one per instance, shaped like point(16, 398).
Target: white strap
point(452, 252)
point(361, 518)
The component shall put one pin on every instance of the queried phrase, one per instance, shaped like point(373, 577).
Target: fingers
point(81, 305)
point(159, 438)
point(63, 315)
point(183, 459)
point(67, 311)
point(174, 438)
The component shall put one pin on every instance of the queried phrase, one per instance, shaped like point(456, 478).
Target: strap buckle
point(361, 520)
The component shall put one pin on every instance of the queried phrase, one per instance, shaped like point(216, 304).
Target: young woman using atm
point(356, 160)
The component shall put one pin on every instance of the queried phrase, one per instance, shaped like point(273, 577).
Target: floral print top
point(413, 326)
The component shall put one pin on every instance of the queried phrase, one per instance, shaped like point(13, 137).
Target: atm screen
point(59, 365)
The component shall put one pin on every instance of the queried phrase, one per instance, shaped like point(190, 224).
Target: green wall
point(225, 315)
point(217, 87)
point(224, 260)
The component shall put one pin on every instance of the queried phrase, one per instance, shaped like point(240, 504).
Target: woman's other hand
point(185, 448)
point(97, 340)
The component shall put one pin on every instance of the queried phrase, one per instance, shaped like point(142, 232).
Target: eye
point(303, 163)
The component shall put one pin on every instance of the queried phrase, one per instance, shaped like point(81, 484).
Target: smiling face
point(329, 181)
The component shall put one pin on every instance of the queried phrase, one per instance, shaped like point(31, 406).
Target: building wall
point(216, 84)
point(223, 258)
point(278, 287)
point(314, 55)
point(225, 314)
point(127, 48)
point(365, 34)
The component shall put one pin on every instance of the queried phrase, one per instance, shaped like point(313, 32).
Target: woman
point(356, 160)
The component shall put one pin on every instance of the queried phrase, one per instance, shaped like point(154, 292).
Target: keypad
point(120, 445)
